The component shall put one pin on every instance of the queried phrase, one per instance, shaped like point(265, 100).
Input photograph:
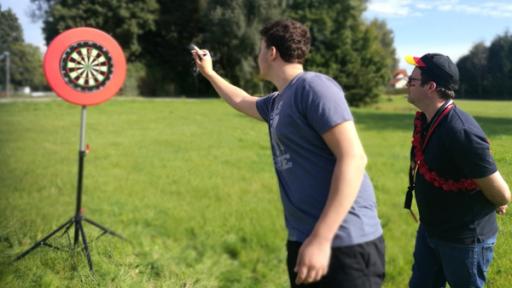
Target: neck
point(431, 109)
point(283, 76)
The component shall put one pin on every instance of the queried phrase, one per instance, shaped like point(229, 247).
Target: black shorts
point(356, 266)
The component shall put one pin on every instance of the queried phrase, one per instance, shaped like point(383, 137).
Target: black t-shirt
point(457, 149)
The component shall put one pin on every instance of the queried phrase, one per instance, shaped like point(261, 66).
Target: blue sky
point(31, 31)
point(450, 27)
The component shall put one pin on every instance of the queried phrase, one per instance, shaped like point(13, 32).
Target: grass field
point(191, 184)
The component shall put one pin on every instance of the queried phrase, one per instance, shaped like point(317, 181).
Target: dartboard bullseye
point(85, 66)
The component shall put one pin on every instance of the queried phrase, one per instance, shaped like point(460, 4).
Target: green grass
point(191, 184)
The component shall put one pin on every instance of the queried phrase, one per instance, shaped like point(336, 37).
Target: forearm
point(345, 185)
point(234, 96)
point(495, 189)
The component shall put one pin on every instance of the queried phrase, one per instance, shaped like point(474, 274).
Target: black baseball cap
point(440, 68)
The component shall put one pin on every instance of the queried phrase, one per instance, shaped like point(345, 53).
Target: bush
point(134, 76)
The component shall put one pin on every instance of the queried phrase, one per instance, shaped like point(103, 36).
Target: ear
point(432, 86)
point(273, 53)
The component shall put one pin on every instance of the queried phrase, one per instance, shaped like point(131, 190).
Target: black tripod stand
point(78, 219)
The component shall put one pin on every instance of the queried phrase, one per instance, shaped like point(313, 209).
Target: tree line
point(486, 71)
point(25, 59)
point(155, 34)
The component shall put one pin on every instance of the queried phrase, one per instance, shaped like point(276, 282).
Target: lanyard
point(413, 169)
point(440, 113)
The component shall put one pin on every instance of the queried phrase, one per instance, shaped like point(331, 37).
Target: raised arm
point(236, 97)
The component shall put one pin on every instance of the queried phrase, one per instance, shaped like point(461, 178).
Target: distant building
point(399, 80)
point(25, 90)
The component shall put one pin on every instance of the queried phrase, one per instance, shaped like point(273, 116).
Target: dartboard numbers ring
point(85, 66)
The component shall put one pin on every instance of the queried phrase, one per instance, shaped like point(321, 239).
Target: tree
point(125, 20)
point(157, 33)
point(231, 30)
point(10, 29)
point(26, 66)
point(166, 53)
point(25, 59)
point(473, 72)
point(344, 46)
point(386, 41)
point(485, 72)
point(500, 66)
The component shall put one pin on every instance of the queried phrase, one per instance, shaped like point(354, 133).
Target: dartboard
point(86, 66)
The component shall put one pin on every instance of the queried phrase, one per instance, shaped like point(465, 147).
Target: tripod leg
point(106, 230)
point(42, 241)
point(77, 222)
point(66, 232)
point(68, 227)
point(86, 248)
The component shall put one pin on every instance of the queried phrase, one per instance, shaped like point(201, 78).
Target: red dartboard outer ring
point(84, 66)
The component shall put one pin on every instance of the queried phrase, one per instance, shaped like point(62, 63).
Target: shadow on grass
point(495, 126)
point(381, 121)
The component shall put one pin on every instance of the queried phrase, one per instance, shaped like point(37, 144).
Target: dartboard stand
point(78, 219)
point(84, 66)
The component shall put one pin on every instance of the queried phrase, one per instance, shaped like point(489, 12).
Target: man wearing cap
point(457, 185)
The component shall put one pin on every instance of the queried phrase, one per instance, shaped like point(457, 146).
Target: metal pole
point(82, 128)
point(7, 73)
point(81, 156)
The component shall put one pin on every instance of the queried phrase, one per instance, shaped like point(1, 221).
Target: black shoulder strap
point(410, 189)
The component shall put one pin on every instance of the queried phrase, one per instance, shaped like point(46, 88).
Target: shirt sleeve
point(263, 106)
point(325, 104)
point(472, 153)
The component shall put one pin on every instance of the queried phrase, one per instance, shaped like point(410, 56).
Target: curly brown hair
point(291, 39)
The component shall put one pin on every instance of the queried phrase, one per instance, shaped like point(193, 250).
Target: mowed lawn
point(191, 184)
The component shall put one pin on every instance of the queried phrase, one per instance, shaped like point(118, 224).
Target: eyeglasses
point(410, 79)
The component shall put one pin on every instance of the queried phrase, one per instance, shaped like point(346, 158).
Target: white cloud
point(445, 7)
point(402, 8)
point(498, 9)
point(424, 6)
point(390, 7)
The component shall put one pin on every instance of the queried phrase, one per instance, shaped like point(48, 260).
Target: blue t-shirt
point(458, 149)
point(308, 106)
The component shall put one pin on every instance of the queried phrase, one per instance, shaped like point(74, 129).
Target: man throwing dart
point(334, 234)
point(457, 185)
